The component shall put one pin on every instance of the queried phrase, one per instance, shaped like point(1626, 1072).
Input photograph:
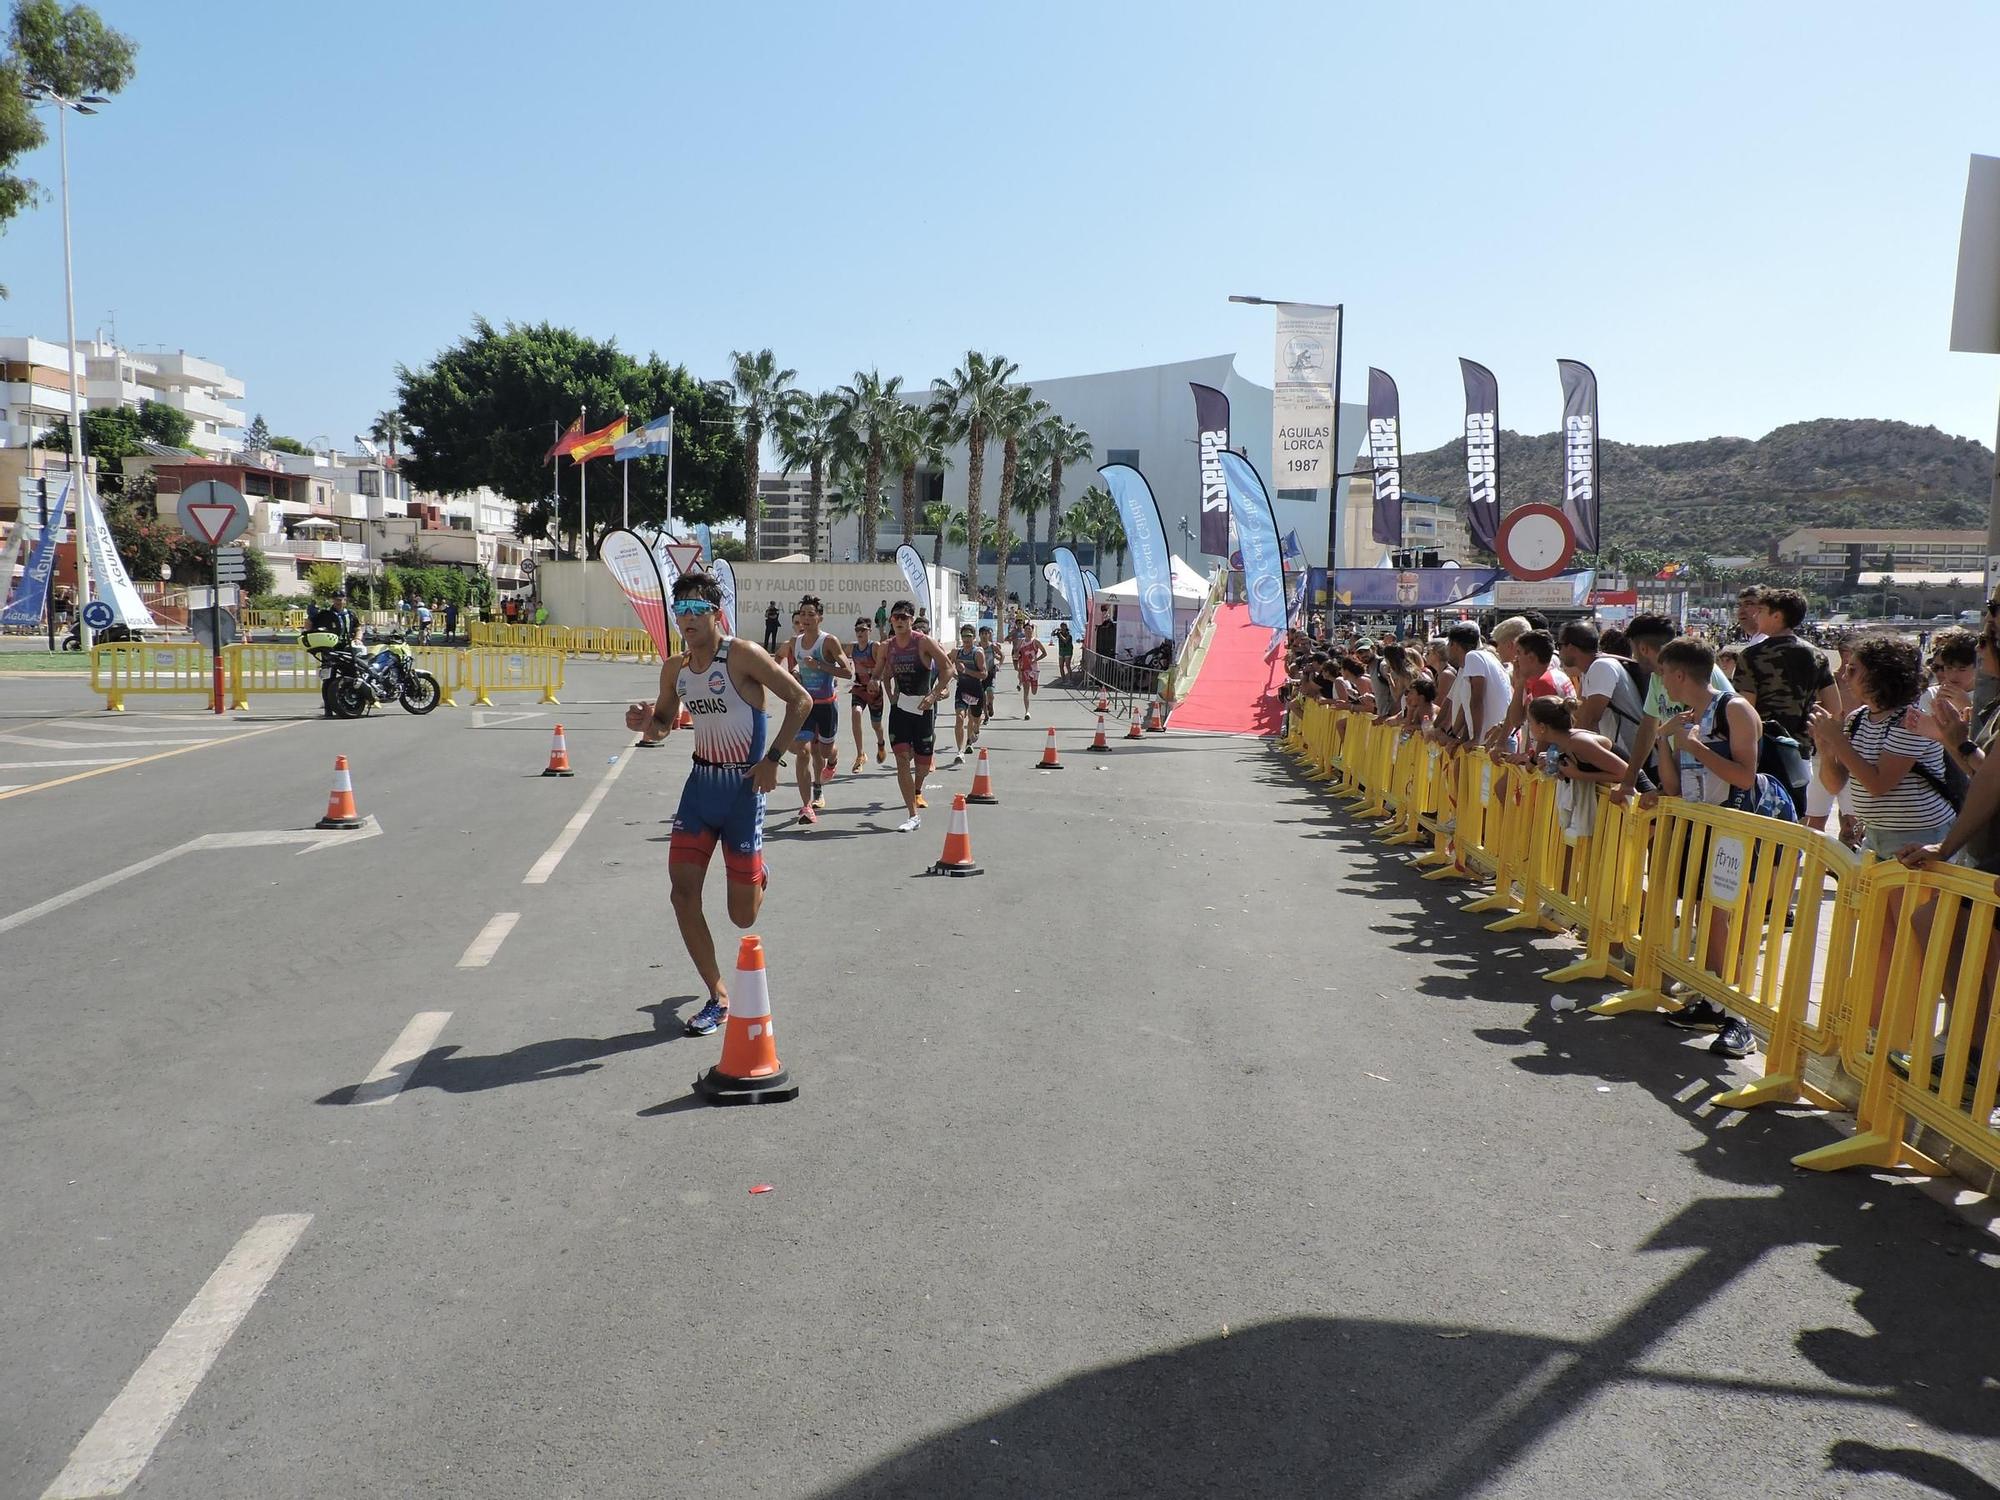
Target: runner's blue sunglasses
point(693, 607)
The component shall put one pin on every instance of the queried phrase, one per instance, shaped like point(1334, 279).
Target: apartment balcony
point(36, 396)
point(203, 407)
point(189, 369)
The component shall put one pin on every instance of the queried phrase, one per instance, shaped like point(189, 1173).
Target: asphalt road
point(1193, 1149)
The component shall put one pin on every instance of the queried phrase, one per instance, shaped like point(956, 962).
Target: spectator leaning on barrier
point(1419, 703)
point(1479, 690)
point(1610, 706)
point(1897, 774)
point(1579, 759)
point(1783, 677)
point(1437, 661)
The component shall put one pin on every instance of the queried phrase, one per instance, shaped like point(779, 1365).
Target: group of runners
point(728, 686)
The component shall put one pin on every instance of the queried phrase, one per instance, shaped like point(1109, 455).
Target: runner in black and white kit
point(969, 696)
point(910, 660)
point(816, 658)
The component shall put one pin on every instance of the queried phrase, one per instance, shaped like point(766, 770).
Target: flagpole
point(583, 515)
point(670, 468)
point(625, 473)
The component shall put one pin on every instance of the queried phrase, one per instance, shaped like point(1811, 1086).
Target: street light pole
point(78, 509)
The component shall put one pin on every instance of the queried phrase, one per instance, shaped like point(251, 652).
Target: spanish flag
point(572, 435)
point(597, 444)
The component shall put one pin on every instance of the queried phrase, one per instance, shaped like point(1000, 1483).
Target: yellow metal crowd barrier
point(122, 668)
point(496, 669)
point(1884, 972)
point(250, 620)
point(570, 640)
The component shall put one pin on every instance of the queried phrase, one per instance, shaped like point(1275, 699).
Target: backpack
point(1627, 702)
point(1767, 795)
point(1951, 786)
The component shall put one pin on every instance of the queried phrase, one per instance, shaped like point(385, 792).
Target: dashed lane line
point(544, 867)
point(121, 1442)
point(384, 1083)
point(482, 948)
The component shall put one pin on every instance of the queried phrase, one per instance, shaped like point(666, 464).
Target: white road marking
point(491, 936)
point(42, 765)
point(120, 1442)
point(382, 1085)
point(546, 865)
point(312, 838)
point(488, 719)
point(43, 742)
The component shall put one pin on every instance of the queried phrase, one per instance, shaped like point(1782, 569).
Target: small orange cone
point(340, 811)
point(982, 782)
point(957, 857)
point(749, 1072)
point(559, 756)
point(1134, 732)
point(1156, 722)
point(1098, 745)
point(685, 720)
point(1049, 762)
point(1103, 704)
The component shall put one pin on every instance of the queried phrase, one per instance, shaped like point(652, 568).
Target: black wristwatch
point(776, 758)
point(1966, 749)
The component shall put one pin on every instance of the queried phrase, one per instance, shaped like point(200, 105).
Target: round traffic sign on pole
point(98, 615)
point(213, 513)
point(1535, 542)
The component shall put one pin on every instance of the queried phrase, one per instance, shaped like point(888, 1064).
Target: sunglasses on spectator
point(693, 607)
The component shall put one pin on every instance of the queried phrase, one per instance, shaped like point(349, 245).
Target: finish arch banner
point(911, 562)
point(1146, 535)
point(637, 571)
point(1257, 535)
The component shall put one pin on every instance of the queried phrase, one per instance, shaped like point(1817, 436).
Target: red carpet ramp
point(1236, 690)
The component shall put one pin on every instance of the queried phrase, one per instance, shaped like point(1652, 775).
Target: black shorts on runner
point(822, 724)
point(918, 731)
point(969, 700)
point(861, 698)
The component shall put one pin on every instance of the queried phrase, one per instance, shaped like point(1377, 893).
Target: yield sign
point(213, 512)
point(212, 520)
point(685, 556)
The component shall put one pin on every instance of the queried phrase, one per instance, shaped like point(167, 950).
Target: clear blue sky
point(1739, 214)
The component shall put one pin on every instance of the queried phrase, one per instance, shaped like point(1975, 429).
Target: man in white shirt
point(1480, 693)
point(1749, 614)
point(1610, 705)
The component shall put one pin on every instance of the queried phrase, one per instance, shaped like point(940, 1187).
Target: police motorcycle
point(360, 681)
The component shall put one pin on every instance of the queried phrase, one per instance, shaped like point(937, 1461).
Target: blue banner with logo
point(1146, 535)
point(31, 595)
point(1257, 535)
point(707, 539)
point(1407, 588)
point(1069, 574)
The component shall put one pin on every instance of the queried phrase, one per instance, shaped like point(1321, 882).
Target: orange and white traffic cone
point(340, 811)
point(1134, 733)
point(1103, 703)
point(1156, 721)
point(957, 857)
point(684, 720)
point(559, 756)
point(749, 1072)
point(982, 781)
point(1098, 746)
point(1049, 762)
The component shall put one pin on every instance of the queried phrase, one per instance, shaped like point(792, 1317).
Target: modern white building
point(1143, 417)
point(35, 376)
point(784, 526)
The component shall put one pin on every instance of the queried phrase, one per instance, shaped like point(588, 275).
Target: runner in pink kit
point(725, 684)
point(1028, 654)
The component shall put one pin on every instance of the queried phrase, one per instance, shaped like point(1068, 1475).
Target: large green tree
point(968, 403)
point(112, 434)
point(1055, 444)
point(915, 443)
point(51, 50)
point(486, 411)
point(759, 388)
point(1015, 416)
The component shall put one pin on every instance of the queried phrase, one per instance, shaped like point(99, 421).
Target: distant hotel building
point(1829, 555)
point(35, 378)
point(786, 500)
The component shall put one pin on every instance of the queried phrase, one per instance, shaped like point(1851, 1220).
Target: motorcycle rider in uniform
point(343, 622)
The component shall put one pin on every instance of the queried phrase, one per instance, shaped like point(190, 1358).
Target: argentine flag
point(654, 440)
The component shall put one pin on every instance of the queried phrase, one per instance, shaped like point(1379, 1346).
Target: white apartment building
point(1830, 553)
point(783, 529)
point(35, 376)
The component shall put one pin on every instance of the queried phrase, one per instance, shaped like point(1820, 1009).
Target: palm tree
point(915, 442)
point(1056, 444)
point(936, 519)
point(967, 404)
point(1017, 416)
point(389, 429)
point(1095, 516)
point(869, 409)
point(1030, 501)
point(758, 388)
point(808, 438)
point(970, 530)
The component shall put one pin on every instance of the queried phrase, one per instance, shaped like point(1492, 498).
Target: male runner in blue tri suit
point(724, 682)
point(817, 659)
point(915, 672)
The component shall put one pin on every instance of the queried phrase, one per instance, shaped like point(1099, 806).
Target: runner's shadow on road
point(451, 1072)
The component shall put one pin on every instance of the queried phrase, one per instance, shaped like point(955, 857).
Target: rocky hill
point(1730, 496)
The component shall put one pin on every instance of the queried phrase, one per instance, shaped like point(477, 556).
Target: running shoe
point(881, 755)
point(704, 1021)
point(858, 763)
point(910, 824)
point(1734, 1040)
point(920, 800)
point(807, 815)
point(1698, 1015)
point(819, 797)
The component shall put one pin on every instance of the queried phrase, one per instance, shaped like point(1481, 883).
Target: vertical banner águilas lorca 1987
point(1482, 454)
point(1582, 478)
point(1302, 414)
point(1385, 452)
point(1211, 422)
